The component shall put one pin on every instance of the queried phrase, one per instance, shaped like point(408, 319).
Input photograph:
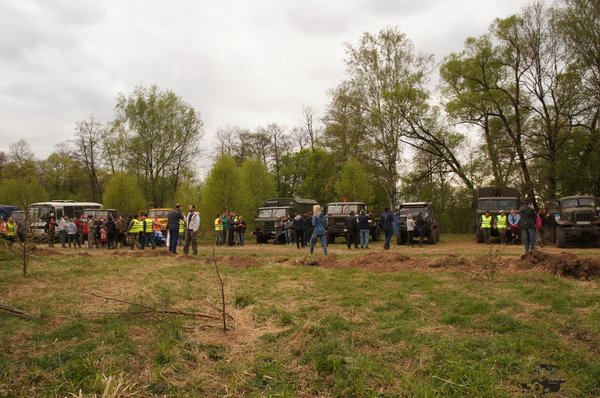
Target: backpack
point(538, 222)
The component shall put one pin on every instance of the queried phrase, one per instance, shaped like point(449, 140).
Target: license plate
point(584, 222)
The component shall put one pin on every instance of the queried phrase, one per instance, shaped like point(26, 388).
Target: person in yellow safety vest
point(218, 231)
point(147, 234)
point(486, 226)
point(11, 230)
point(501, 224)
point(181, 232)
point(135, 227)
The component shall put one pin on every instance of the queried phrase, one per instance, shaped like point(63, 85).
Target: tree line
point(517, 106)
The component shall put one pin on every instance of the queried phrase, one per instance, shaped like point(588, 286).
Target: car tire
point(560, 237)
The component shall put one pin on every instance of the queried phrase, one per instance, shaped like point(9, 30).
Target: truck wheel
point(400, 238)
point(375, 235)
point(437, 235)
point(479, 236)
point(560, 237)
point(330, 239)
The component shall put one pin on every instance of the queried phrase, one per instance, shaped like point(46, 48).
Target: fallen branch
point(154, 310)
point(15, 311)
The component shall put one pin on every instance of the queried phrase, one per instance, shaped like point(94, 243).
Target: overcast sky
point(238, 62)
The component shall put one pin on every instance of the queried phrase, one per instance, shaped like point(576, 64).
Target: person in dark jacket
point(230, 229)
point(527, 226)
point(111, 229)
point(173, 227)
point(351, 230)
point(299, 230)
point(363, 227)
point(387, 222)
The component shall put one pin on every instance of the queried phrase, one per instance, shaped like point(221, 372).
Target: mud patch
point(450, 261)
point(562, 264)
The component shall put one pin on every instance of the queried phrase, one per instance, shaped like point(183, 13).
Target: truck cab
point(272, 209)
point(575, 219)
point(414, 208)
point(492, 199)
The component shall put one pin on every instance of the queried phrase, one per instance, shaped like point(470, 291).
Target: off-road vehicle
point(275, 208)
point(433, 230)
point(492, 200)
point(337, 212)
point(574, 219)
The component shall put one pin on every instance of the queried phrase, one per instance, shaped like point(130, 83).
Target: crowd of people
point(526, 225)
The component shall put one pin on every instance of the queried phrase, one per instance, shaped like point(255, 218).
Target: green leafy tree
point(123, 193)
point(221, 190)
point(256, 185)
point(162, 135)
point(354, 183)
point(22, 191)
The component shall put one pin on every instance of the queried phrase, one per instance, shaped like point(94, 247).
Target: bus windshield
point(40, 213)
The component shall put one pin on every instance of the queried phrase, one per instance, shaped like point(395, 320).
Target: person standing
point(240, 228)
point(501, 223)
point(225, 224)
point(527, 226)
point(299, 230)
point(191, 233)
point(421, 224)
point(62, 230)
point(541, 226)
point(79, 237)
point(92, 241)
point(410, 229)
point(173, 219)
point(230, 229)
point(486, 226)
point(2, 228)
point(218, 231)
point(111, 229)
point(351, 230)
point(72, 233)
point(148, 233)
point(319, 223)
point(133, 232)
point(363, 227)
point(387, 222)
point(11, 230)
point(288, 226)
point(51, 229)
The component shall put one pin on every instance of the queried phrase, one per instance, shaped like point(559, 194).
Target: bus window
point(68, 210)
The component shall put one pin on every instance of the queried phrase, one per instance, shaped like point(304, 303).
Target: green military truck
point(272, 209)
point(432, 231)
point(492, 199)
point(574, 219)
point(337, 212)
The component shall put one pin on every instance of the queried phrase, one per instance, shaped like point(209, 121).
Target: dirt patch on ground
point(451, 261)
point(562, 264)
point(233, 261)
point(47, 251)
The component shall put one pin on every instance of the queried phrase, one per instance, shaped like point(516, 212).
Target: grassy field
point(452, 320)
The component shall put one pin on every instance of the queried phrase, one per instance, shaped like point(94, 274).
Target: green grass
point(297, 330)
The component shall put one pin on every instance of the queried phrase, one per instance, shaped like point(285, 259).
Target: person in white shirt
point(191, 234)
point(410, 229)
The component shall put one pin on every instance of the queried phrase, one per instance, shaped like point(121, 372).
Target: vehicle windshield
point(495, 205)
point(158, 213)
point(342, 208)
point(40, 213)
point(271, 213)
point(577, 202)
point(413, 210)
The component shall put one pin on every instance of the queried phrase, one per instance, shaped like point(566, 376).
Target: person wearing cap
point(500, 224)
point(486, 226)
point(173, 227)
